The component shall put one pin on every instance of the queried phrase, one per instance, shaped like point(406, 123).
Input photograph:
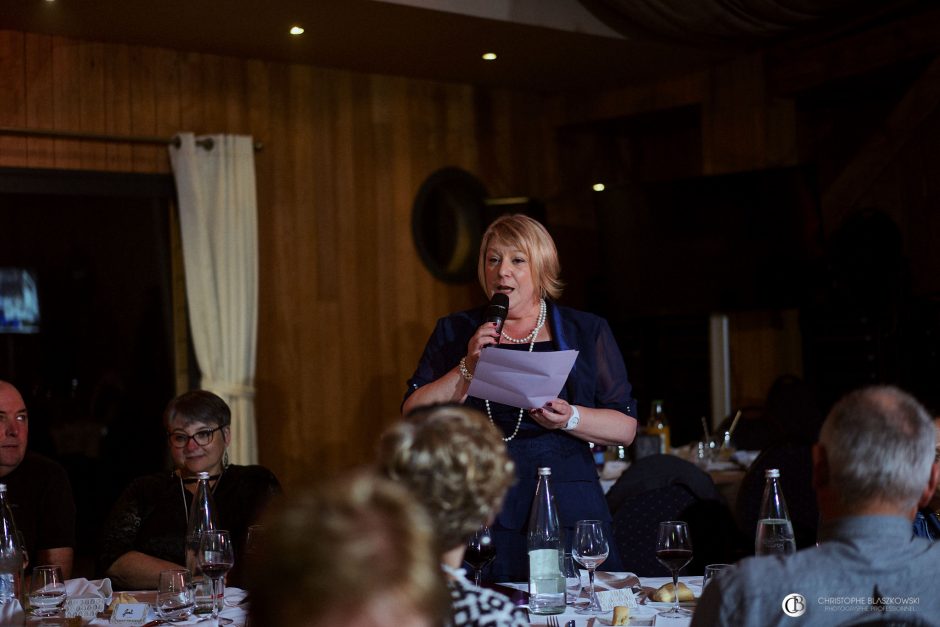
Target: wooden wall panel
point(12, 96)
point(345, 303)
point(40, 100)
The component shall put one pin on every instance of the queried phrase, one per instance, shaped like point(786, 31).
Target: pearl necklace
point(538, 327)
point(530, 338)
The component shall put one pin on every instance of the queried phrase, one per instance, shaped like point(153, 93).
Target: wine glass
point(175, 597)
point(480, 552)
point(590, 549)
point(674, 551)
point(47, 591)
point(216, 556)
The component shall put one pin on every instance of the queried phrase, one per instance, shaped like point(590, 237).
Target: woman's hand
point(486, 335)
point(553, 415)
point(600, 426)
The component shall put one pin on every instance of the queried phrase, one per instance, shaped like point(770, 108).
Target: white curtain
point(219, 224)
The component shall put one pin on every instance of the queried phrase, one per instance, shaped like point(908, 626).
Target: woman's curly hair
point(455, 463)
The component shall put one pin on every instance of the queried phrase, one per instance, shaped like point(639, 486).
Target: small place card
point(129, 614)
point(611, 598)
point(86, 607)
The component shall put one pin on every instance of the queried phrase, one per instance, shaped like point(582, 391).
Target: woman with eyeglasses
point(145, 531)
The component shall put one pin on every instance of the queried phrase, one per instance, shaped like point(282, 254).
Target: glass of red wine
point(480, 552)
point(590, 549)
point(216, 556)
point(674, 551)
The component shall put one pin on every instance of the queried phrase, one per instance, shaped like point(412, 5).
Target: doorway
point(100, 369)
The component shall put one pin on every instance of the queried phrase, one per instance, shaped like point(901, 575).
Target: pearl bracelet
point(464, 371)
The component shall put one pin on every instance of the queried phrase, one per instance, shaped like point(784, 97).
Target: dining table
point(235, 607)
point(644, 614)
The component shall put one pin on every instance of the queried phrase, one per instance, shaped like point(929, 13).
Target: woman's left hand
point(553, 415)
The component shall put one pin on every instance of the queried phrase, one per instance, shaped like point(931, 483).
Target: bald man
point(38, 489)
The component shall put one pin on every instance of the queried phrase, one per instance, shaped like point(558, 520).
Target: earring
point(225, 459)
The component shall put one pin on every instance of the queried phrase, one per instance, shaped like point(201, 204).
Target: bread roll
point(621, 615)
point(666, 593)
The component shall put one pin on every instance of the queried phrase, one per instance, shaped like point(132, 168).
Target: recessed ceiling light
point(598, 187)
point(296, 30)
point(489, 56)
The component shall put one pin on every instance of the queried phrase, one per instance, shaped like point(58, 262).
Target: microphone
point(497, 310)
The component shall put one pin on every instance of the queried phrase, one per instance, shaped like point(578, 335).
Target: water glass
point(710, 571)
point(572, 575)
point(47, 591)
point(175, 595)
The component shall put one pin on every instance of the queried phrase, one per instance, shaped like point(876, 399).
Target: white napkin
point(87, 598)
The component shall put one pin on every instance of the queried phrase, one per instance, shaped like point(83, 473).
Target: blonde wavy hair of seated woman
point(354, 552)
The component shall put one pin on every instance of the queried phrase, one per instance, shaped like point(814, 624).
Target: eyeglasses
point(179, 440)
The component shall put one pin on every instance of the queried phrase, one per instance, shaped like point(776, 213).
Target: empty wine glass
point(216, 556)
point(175, 597)
point(674, 551)
point(480, 552)
point(47, 591)
point(590, 549)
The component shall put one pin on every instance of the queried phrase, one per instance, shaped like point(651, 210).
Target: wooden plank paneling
point(345, 303)
point(117, 104)
point(67, 87)
point(12, 96)
point(40, 110)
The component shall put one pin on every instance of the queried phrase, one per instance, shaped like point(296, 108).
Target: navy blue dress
point(598, 379)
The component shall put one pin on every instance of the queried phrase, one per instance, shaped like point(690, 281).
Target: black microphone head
point(498, 308)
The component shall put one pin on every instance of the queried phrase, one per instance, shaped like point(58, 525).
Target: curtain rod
point(206, 143)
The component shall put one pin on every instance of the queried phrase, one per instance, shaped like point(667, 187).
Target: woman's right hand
point(486, 335)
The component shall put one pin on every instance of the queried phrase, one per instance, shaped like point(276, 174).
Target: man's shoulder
point(38, 464)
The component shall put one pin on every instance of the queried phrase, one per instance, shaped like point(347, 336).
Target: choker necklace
point(530, 338)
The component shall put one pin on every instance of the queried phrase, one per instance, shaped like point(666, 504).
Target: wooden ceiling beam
point(857, 177)
point(793, 68)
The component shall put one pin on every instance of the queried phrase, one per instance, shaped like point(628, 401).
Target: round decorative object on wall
point(447, 224)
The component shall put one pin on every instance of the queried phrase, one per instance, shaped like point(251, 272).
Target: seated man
point(927, 521)
point(38, 489)
point(872, 468)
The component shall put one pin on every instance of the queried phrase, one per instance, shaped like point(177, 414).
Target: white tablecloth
point(643, 615)
point(10, 615)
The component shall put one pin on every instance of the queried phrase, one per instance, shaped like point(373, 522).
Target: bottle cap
point(202, 475)
point(545, 471)
point(772, 473)
point(3, 487)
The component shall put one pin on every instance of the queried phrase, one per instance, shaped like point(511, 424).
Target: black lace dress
point(151, 514)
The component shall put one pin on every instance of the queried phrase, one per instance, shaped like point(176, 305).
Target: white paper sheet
point(520, 378)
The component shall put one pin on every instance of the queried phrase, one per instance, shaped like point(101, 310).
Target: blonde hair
point(455, 463)
point(528, 235)
point(345, 545)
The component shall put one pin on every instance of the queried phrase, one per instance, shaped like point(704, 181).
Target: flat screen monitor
point(19, 301)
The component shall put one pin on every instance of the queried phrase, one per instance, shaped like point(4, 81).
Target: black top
point(151, 514)
point(40, 497)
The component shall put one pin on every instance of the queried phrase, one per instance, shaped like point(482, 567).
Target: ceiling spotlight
point(296, 30)
point(489, 56)
point(598, 187)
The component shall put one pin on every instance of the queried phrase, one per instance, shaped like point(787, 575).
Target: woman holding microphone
point(518, 258)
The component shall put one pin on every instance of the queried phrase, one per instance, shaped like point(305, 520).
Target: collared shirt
point(927, 524)
point(865, 567)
